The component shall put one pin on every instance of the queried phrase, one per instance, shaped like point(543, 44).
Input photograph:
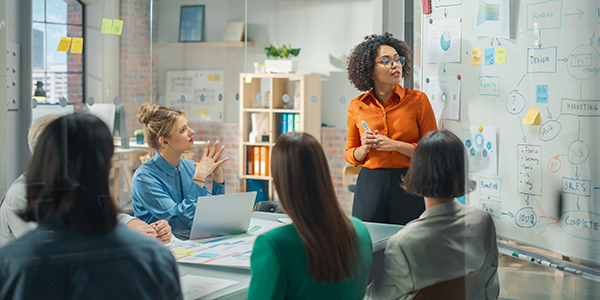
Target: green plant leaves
point(284, 52)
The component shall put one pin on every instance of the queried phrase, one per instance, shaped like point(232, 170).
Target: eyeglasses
point(389, 63)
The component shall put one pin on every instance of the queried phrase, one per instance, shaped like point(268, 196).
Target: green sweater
point(279, 268)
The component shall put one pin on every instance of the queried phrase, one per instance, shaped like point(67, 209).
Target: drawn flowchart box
point(489, 86)
point(577, 187)
point(544, 15)
point(541, 60)
point(582, 108)
point(490, 186)
point(529, 158)
point(492, 207)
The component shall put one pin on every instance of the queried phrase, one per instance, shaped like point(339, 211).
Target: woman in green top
point(323, 254)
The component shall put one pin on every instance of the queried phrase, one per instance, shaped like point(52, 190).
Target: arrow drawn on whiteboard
point(521, 80)
point(540, 39)
point(444, 67)
point(445, 13)
point(578, 208)
point(497, 40)
point(510, 214)
point(468, 53)
point(554, 220)
point(577, 174)
point(592, 39)
point(580, 13)
point(564, 60)
point(549, 113)
point(523, 132)
point(527, 200)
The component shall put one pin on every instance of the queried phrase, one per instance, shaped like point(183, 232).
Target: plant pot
point(280, 66)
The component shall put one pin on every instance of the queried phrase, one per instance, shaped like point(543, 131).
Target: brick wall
point(75, 60)
point(136, 71)
point(333, 141)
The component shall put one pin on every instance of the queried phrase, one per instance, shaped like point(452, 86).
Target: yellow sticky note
point(64, 44)
point(211, 78)
point(217, 77)
point(117, 27)
point(532, 117)
point(476, 57)
point(500, 55)
point(248, 79)
point(198, 111)
point(77, 46)
point(106, 26)
point(184, 251)
point(205, 112)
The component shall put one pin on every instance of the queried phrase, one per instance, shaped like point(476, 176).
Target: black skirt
point(380, 198)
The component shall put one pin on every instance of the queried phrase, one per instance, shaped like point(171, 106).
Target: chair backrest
point(454, 289)
point(347, 175)
point(268, 206)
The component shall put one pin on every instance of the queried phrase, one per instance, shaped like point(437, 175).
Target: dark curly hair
point(362, 59)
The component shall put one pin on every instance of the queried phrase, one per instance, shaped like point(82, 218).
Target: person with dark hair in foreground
point(78, 250)
point(323, 254)
point(384, 126)
point(449, 240)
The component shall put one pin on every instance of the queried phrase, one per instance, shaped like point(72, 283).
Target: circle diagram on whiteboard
point(515, 103)
point(445, 40)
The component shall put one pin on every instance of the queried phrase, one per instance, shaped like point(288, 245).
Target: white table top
point(133, 143)
point(380, 233)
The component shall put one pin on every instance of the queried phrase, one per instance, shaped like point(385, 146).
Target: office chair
point(454, 289)
point(348, 175)
point(269, 206)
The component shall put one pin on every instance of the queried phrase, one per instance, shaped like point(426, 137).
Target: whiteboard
point(545, 189)
point(199, 92)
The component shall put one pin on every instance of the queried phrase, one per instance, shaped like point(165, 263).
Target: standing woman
point(168, 186)
point(78, 250)
point(323, 254)
point(384, 126)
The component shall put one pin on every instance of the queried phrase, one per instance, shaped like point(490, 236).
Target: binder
point(264, 161)
point(290, 122)
point(250, 160)
point(284, 123)
point(297, 122)
point(256, 160)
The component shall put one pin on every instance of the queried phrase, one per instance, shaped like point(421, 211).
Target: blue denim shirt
point(163, 192)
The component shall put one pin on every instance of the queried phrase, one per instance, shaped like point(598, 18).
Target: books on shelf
point(258, 160)
point(288, 122)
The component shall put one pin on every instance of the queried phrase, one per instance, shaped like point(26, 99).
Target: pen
point(365, 126)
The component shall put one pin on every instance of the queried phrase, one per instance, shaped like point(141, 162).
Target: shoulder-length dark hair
point(67, 180)
point(303, 183)
point(362, 59)
point(438, 167)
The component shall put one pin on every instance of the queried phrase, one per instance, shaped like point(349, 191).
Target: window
point(53, 19)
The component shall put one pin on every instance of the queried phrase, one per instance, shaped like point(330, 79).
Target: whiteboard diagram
point(199, 92)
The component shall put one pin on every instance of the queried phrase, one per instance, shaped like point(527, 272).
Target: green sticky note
point(106, 26)
point(64, 44)
point(117, 27)
point(217, 77)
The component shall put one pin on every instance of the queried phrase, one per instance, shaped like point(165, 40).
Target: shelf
point(204, 45)
point(284, 111)
point(256, 177)
point(257, 110)
point(259, 144)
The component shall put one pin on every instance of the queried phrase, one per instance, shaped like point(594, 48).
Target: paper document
point(197, 287)
point(229, 250)
point(444, 41)
point(444, 95)
point(481, 148)
point(493, 18)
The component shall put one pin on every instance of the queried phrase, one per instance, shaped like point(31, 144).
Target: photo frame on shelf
point(234, 32)
point(191, 23)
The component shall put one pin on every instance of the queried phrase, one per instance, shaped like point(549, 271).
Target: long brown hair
point(67, 178)
point(303, 182)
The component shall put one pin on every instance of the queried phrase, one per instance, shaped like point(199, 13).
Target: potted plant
point(284, 64)
point(139, 136)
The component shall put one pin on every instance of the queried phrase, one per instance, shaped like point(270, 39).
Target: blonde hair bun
point(146, 112)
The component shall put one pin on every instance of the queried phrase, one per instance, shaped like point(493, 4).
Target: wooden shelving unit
point(272, 89)
point(203, 45)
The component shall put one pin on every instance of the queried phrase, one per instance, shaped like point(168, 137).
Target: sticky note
point(209, 255)
point(77, 46)
point(211, 77)
point(117, 27)
point(107, 26)
point(476, 57)
point(532, 116)
point(500, 55)
point(198, 111)
point(64, 44)
point(183, 252)
point(217, 77)
point(541, 93)
point(205, 112)
point(248, 79)
point(490, 55)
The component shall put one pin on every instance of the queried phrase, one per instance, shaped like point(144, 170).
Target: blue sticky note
point(541, 94)
point(490, 56)
point(209, 255)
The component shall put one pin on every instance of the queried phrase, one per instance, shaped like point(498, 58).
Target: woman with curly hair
point(384, 126)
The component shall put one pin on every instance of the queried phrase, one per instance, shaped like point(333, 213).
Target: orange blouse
point(407, 116)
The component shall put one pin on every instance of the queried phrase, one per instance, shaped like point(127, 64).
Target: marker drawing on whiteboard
point(365, 126)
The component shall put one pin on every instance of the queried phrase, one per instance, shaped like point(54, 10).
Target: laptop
point(220, 215)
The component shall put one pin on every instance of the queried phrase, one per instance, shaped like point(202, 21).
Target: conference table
point(379, 232)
